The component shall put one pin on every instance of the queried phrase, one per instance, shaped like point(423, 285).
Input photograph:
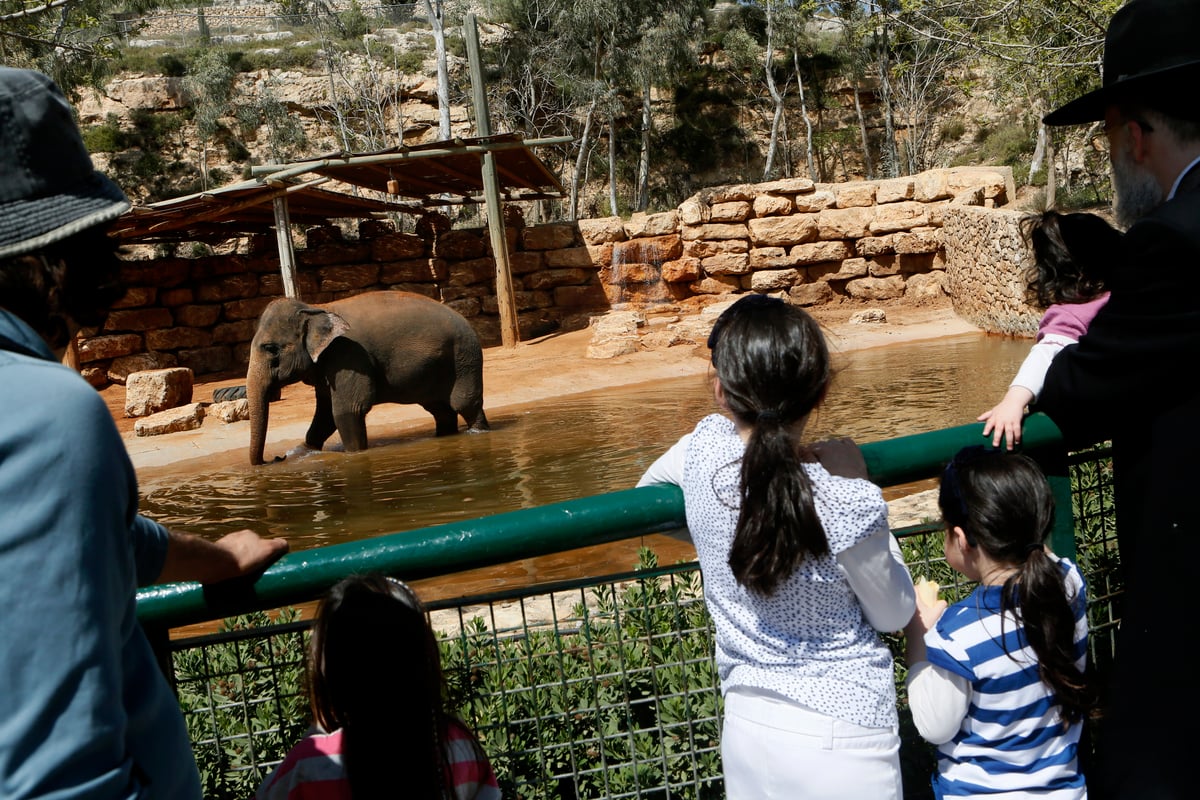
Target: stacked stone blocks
point(865, 240)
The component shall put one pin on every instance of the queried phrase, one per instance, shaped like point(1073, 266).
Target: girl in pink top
point(375, 682)
point(1072, 254)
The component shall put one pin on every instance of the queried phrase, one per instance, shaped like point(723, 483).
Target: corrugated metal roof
point(430, 175)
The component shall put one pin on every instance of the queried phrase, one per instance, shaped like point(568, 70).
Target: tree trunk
point(580, 160)
point(868, 168)
point(643, 179)
point(612, 164)
point(435, 12)
point(889, 123)
point(776, 99)
point(808, 130)
point(1051, 174)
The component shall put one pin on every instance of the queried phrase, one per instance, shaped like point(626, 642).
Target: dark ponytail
point(773, 366)
point(375, 672)
point(1004, 506)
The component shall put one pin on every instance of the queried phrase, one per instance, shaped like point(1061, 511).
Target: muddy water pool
point(561, 449)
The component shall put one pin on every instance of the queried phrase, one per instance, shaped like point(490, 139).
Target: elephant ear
point(320, 331)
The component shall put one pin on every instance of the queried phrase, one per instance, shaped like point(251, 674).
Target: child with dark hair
point(375, 684)
point(800, 569)
point(998, 680)
point(1073, 254)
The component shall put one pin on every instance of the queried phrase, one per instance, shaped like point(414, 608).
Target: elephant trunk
point(258, 394)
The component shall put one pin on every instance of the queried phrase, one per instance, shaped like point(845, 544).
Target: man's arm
point(193, 558)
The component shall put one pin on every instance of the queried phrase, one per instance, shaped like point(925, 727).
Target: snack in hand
point(927, 590)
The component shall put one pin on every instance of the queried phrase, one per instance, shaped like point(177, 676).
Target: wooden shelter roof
point(431, 175)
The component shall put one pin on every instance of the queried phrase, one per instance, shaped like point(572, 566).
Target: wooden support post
point(287, 255)
point(505, 299)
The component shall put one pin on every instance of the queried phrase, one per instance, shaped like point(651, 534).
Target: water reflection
point(562, 449)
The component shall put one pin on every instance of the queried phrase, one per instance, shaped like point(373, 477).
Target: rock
point(152, 391)
point(184, 418)
point(615, 334)
point(230, 410)
point(872, 316)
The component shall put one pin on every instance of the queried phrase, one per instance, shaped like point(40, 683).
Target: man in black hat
point(84, 710)
point(1131, 379)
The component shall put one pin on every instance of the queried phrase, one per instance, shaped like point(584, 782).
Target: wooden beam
point(287, 254)
point(506, 301)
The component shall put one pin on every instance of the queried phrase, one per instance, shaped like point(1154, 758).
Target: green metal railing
point(603, 687)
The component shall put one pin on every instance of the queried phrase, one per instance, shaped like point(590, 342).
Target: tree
point(210, 83)
point(72, 41)
point(435, 11)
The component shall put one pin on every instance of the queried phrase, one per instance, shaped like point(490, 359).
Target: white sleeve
point(880, 580)
point(939, 701)
point(1032, 374)
point(669, 466)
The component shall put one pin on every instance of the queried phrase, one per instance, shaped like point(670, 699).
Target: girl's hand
point(840, 457)
point(925, 617)
point(1004, 419)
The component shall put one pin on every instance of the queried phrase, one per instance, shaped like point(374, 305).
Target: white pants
point(772, 748)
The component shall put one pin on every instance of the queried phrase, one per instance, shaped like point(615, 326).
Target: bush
point(104, 138)
point(952, 130)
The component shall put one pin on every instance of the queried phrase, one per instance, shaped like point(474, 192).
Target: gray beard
point(1137, 191)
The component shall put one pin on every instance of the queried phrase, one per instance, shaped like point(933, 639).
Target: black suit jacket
point(1133, 378)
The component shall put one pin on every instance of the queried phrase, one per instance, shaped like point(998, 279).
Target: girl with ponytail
point(800, 569)
point(998, 679)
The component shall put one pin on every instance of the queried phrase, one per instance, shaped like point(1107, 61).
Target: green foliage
point(354, 22)
point(105, 137)
point(244, 704)
point(411, 62)
point(624, 700)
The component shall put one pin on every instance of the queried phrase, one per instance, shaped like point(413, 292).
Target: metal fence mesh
point(599, 688)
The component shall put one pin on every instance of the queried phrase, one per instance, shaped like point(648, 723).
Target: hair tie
point(1033, 547)
point(769, 415)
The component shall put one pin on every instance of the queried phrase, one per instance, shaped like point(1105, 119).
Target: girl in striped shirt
point(997, 681)
point(375, 683)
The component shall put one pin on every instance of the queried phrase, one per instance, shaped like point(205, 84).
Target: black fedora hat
point(1151, 56)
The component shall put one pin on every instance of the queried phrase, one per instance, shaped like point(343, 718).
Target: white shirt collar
point(1179, 180)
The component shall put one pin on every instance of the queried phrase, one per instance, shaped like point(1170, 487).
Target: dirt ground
point(550, 366)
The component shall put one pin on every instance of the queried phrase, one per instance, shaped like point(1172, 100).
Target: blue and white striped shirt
point(1012, 740)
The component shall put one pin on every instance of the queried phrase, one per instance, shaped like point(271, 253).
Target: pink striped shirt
point(313, 770)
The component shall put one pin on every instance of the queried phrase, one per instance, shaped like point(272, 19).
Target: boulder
point(152, 391)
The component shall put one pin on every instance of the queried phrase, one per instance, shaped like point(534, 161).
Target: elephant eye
point(271, 348)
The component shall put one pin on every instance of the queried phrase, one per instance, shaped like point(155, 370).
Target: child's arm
point(877, 575)
point(1004, 419)
point(669, 466)
point(874, 567)
point(939, 700)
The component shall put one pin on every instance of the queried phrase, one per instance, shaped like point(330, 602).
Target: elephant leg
point(467, 399)
point(476, 420)
point(352, 427)
point(444, 416)
point(322, 425)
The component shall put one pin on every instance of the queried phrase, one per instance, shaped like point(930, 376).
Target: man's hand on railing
point(244, 552)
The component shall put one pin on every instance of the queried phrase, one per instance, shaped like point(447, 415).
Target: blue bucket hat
point(49, 189)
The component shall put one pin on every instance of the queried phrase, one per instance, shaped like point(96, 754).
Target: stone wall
point(986, 265)
point(867, 240)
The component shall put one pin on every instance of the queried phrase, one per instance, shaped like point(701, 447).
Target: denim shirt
point(84, 709)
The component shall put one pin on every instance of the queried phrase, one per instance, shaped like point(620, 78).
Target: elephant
point(375, 347)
